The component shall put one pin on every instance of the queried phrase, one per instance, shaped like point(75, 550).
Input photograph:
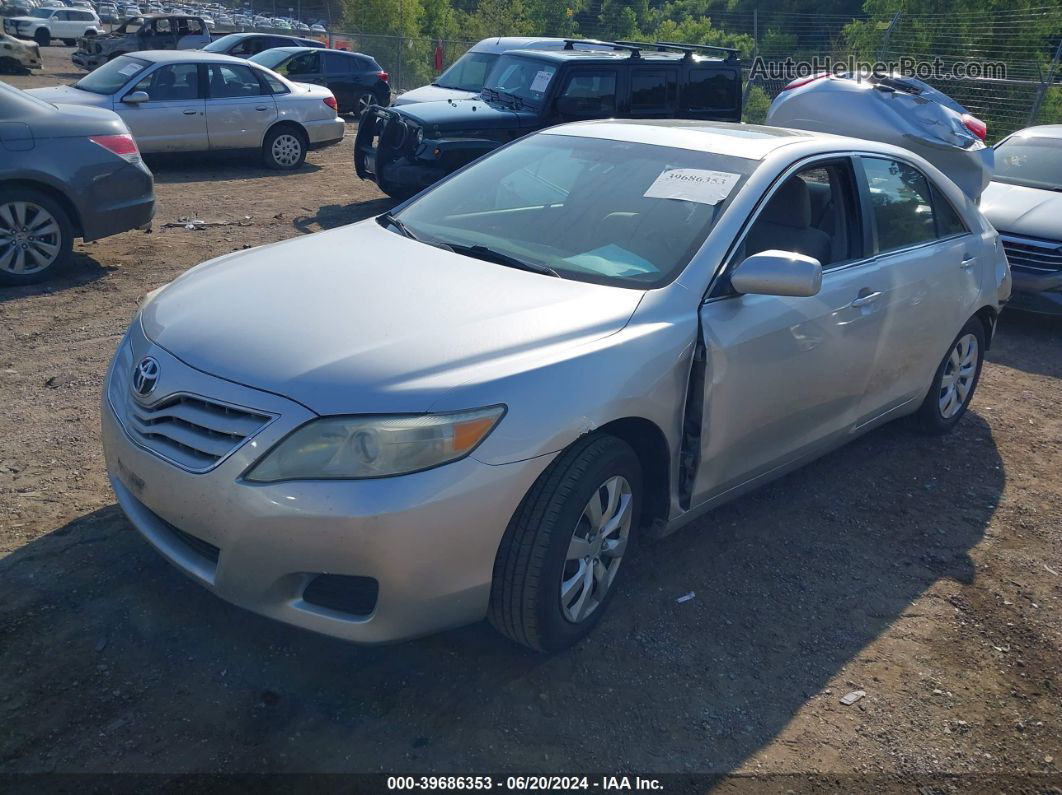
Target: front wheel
point(955, 381)
point(36, 237)
point(42, 37)
point(284, 149)
point(556, 568)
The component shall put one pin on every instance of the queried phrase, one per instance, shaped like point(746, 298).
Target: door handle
point(967, 262)
point(190, 112)
point(865, 300)
point(261, 107)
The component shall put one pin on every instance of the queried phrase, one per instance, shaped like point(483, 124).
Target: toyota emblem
point(145, 376)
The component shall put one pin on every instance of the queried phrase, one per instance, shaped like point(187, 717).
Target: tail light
point(122, 145)
point(803, 81)
point(975, 125)
point(383, 76)
point(330, 101)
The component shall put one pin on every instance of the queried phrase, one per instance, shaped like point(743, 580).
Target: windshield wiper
point(389, 218)
point(490, 255)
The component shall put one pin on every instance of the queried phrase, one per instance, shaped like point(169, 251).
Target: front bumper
point(1036, 292)
point(429, 539)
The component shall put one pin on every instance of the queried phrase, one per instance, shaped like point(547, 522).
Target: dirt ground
point(926, 572)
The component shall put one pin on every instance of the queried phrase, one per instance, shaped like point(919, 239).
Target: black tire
point(63, 238)
point(284, 148)
point(525, 601)
point(42, 37)
point(9, 66)
point(931, 418)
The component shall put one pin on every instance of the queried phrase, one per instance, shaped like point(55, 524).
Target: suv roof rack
point(634, 49)
point(731, 52)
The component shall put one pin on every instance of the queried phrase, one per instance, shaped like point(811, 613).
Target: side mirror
point(136, 97)
point(778, 273)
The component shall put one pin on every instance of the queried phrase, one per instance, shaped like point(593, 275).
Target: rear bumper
point(124, 201)
point(1037, 292)
point(326, 131)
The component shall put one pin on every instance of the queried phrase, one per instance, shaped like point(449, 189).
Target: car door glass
point(307, 63)
point(900, 204)
point(709, 89)
point(949, 222)
point(590, 93)
point(275, 86)
point(651, 89)
point(171, 82)
point(233, 80)
point(162, 27)
point(337, 64)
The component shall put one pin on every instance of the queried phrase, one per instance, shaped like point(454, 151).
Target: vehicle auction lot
point(925, 572)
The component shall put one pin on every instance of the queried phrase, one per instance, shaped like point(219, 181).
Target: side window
point(949, 222)
point(61, 16)
point(162, 26)
point(233, 80)
point(652, 89)
point(338, 64)
point(709, 89)
point(814, 213)
point(590, 93)
point(900, 204)
point(273, 85)
point(307, 63)
point(189, 27)
point(171, 82)
point(244, 48)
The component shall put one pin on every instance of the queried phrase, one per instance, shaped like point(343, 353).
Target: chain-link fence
point(962, 51)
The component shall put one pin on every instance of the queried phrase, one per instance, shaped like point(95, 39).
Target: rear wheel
point(36, 236)
point(955, 381)
point(557, 563)
point(364, 102)
point(284, 148)
point(43, 37)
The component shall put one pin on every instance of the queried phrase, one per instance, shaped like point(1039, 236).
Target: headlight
point(378, 446)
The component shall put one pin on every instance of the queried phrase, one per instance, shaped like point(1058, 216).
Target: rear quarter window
point(710, 89)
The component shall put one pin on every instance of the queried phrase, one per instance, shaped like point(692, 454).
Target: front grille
point(1038, 256)
point(192, 432)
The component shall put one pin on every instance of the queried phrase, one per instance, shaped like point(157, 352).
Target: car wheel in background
point(42, 37)
point(955, 381)
point(365, 101)
point(36, 236)
point(284, 148)
point(69, 42)
point(9, 66)
point(556, 568)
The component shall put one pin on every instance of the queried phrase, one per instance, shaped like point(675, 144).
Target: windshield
point(1029, 161)
point(110, 77)
point(223, 44)
point(520, 77)
point(591, 209)
point(468, 72)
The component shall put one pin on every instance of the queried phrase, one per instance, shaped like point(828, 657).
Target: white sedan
point(192, 101)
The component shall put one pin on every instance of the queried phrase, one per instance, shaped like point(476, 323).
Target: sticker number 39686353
point(693, 185)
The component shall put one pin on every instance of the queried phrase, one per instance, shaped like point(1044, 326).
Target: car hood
point(466, 114)
point(431, 93)
point(68, 95)
point(361, 319)
point(1018, 210)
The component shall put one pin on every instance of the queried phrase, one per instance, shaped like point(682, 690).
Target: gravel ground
point(925, 572)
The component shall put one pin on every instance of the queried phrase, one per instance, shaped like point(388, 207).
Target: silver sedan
point(190, 101)
point(470, 407)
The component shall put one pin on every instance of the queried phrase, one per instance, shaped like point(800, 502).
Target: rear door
point(238, 109)
point(340, 78)
point(306, 67)
point(173, 119)
point(654, 92)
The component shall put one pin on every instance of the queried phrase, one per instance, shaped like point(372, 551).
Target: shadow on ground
point(332, 215)
point(114, 661)
point(175, 169)
point(83, 269)
point(1018, 342)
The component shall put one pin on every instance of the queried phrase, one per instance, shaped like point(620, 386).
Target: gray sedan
point(472, 406)
point(191, 101)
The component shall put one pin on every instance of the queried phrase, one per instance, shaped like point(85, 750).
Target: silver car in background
point(471, 406)
point(191, 101)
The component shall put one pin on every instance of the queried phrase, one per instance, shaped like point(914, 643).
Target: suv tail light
point(975, 125)
point(122, 145)
point(803, 81)
point(383, 76)
point(330, 101)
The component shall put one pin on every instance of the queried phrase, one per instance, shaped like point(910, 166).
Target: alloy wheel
point(287, 149)
point(958, 379)
point(364, 103)
point(30, 238)
point(596, 549)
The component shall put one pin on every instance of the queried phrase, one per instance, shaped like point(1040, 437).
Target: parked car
point(897, 110)
point(466, 76)
point(1024, 203)
point(599, 330)
point(193, 101)
point(244, 45)
point(109, 14)
point(404, 149)
point(17, 57)
point(155, 32)
point(64, 173)
point(44, 24)
point(318, 28)
point(358, 82)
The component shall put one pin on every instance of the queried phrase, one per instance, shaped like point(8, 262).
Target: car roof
point(750, 141)
point(1039, 131)
point(506, 43)
point(185, 56)
point(607, 56)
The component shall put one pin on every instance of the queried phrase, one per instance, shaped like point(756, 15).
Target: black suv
point(407, 148)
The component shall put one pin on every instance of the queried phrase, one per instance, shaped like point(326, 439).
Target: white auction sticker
point(538, 85)
point(693, 185)
point(131, 69)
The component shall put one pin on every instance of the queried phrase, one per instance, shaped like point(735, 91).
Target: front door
point(785, 376)
point(173, 119)
point(238, 109)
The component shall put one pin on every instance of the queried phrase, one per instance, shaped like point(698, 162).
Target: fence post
point(888, 35)
point(1034, 111)
point(398, 80)
point(755, 53)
